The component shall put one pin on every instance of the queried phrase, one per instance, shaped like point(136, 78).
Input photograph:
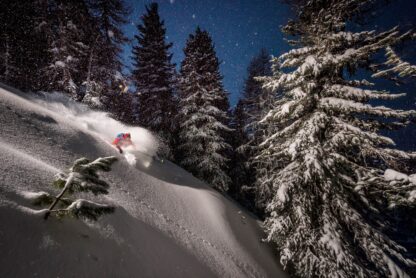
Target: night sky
point(240, 28)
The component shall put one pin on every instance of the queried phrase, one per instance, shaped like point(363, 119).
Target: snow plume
point(100, 124)
point(131, 159)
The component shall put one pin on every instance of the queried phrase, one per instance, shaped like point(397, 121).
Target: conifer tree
point(203, 111)
point(254, 99)
point(254, 103)
point(122, 104)
point(67, 50)
point(153, 75)
point(239, 168)
point(329, 199)
point(82, 177)
point(104, 64)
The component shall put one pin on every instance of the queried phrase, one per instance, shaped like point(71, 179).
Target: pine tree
point(254, 99)
point(153, 75)
point(82, 177)
point(254, 103)
point(203, 111)
point(240, 172)
point(44, 43)
point(106, 37)
point(329, 202)
point(122, 104)
point(67, 50)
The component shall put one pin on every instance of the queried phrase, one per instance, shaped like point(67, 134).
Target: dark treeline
point(75, 47)
point(68, 46)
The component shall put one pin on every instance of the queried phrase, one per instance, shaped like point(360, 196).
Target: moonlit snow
point(166, 223)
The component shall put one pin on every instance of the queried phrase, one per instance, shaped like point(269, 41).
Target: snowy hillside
point(166, 224)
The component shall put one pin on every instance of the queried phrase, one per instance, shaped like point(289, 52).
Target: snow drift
point(166, 224)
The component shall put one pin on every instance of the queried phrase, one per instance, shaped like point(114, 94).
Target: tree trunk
point(67, 185)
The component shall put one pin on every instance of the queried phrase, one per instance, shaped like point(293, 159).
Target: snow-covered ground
point(166, 224)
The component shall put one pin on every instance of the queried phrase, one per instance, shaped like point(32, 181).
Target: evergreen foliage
point(122, 107)
point(255, 100)
point(203, 111)
point(67, 51)
point(329, 203)
point(45, 45)
point(396, 66)
point(240, 172)
point(153, 75)
point(104, 59)
point(248, 133)
point(82, 177)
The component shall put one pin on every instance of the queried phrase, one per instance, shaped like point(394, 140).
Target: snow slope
point(166, 224)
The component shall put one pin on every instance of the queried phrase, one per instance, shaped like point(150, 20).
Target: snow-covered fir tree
point(254, 103)
point(153, 75)
point(122, 103)
point(240, 172)
point(328, 201)
point(255, 100)
point(67, 51)
point(203, 113)
point(104, 64)
point(82, 177)
point(45, 45)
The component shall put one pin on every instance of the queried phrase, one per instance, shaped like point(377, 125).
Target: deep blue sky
point(239, 29)
point(403, 14)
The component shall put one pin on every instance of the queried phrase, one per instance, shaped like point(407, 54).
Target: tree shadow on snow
point(118, 245)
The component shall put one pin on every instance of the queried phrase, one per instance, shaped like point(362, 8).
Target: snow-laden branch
point(399, 66)
point(347, 106)
point(82, 177)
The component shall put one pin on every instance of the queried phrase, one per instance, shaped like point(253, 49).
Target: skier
point(122, 140)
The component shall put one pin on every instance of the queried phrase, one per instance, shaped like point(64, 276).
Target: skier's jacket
point(122, 139)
